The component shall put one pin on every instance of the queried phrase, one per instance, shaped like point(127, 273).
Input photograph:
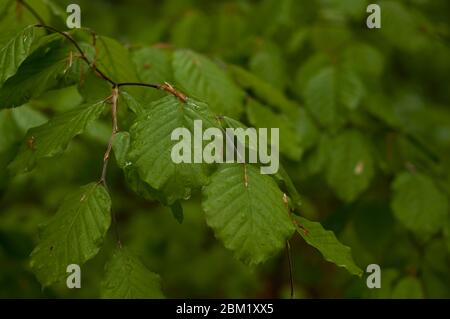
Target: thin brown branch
point(113, 98)
point(165, 87)
point(169, 88)
point(155, 86)
point(115, 129)
point(82, 54)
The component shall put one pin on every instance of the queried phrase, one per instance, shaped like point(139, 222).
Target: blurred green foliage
point(353, 102)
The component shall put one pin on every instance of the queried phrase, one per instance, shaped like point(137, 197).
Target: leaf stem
point(155, 86)
point(114, 101)
point(165, 87)
point(115, 129)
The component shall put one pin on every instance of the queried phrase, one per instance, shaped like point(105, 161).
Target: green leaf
point(46, 68)
point(121, 146)
point(115, 61)
point(320, 97)
point(74, 235)
point(228, 25)
point(131, 102)
point(227, 122)
point(418, 204)
point(326, 242)
point(52, 138)
point(306, 129)
point(350, 89)
point(59, 100)
point(309, 69)
point(380, 107)
point(141, 188)
point(94, 88)
point(154, 65)
point(297, 130)
point(14, 53)
point(231, 139)
point(263, 90)
point(269, 64)
point(330, 92)
point(247, 212)
point(284, 178)
point(261, 116)
point(127, 278)
point(26, 117)
point(365, 60)
point(401, 27)
point(327, 37)
point(58, 14)
point(408, 288)
point(351, 168)
point(204, 80)
point(14, 123)
point(151, 146)
point(192, 30)
point(13, 20)
point(317, 159)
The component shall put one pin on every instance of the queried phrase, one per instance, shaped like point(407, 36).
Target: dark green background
point(408, 79)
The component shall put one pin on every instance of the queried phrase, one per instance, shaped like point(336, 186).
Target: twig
point(83, 55)
point(165, 87)
point(169, 88)
point(115, 129)
point(113, 98)
point(155, 86)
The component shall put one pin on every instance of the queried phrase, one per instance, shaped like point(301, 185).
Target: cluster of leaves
point(361, 134)
point(247, 210)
